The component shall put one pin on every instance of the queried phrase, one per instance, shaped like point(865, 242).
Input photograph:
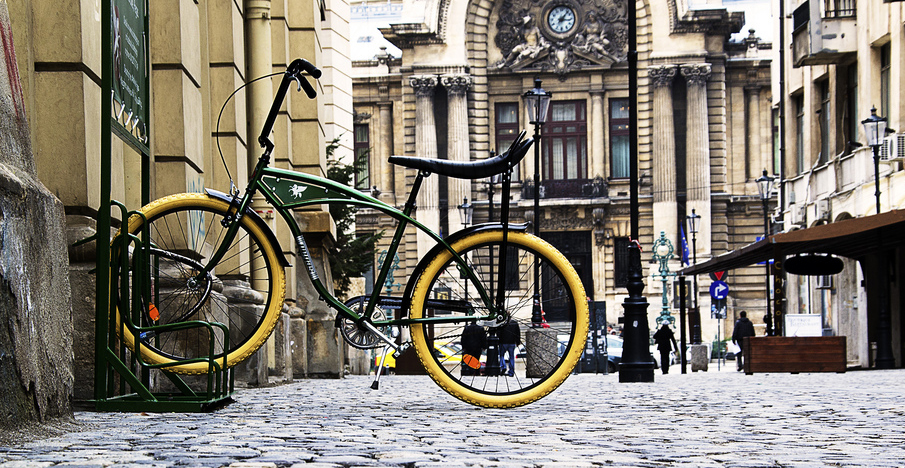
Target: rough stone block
point(541, 346)
point(325, 349)
point(298, 346)
point(700, 357)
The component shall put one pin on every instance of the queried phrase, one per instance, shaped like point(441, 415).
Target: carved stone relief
point(528, 36)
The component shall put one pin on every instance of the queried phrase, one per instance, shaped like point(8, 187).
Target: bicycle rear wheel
point(549, 352)
point(245, 291)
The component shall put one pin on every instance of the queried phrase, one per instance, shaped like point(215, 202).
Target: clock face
point(561, 19)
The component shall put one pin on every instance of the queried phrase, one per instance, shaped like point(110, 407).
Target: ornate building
point(455, 92)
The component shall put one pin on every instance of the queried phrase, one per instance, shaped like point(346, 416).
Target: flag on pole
point(684, 241)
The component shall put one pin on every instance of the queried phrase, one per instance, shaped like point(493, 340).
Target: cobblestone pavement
point(712, 419)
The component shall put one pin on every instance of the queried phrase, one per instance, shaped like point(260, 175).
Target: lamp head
point(537, 102)
point(466, 210)
point(765, 186)
point(693, 222)
point(874, 128)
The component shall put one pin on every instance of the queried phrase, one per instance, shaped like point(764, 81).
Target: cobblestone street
point(719, 419)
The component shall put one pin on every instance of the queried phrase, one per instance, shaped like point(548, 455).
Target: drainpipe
point(259, 96)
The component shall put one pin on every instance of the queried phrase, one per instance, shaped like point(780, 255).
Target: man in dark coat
point(474, 341)
point(666, 342)
point(743, 328)
point(510, 338)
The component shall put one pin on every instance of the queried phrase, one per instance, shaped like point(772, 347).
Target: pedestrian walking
point(666, 342)
point(743, 328)
point(474, 341)
point(510, 338)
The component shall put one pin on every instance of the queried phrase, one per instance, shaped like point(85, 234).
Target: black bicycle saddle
point(470, 169)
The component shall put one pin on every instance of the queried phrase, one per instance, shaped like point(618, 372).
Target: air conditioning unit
point(823, 209)
point(797, 215)
point(891, 148)
point(897, 146)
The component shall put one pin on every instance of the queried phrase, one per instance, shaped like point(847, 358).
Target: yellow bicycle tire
point(570, 356)
point(277, 282)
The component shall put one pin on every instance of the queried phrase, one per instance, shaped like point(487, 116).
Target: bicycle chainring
point(360, 337)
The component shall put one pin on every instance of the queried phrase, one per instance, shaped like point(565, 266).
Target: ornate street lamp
point(663, 250)
point(537, 102)
point(875, 130)
point(694, 223)
point(466, 210)
point(765, 188)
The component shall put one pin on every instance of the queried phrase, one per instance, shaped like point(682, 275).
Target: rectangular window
point(776, 141)
point(507, 128)
point(883, 111)
point(850, 120)
point(619, 139)
point(362, 151)
point(839, 9)
point(825, 120)
point(620, 261)
point(565, 142)
point(798, 105)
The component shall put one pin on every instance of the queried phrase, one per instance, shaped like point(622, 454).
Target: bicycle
point(205, 245)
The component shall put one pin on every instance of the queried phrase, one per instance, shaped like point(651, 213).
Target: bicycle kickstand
point(383, 358)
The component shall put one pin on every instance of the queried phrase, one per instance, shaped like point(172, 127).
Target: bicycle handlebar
point(293, 73)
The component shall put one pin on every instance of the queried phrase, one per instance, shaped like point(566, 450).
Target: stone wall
point(36, 342)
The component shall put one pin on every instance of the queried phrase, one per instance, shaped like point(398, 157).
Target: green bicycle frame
point(287, 190)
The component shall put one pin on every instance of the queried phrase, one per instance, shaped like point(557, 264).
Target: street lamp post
point(694, 223)
point(537, 101)
point(765, 188)
point(875, 130)
point(466, 211)
point(662, 252)
point(636, 365)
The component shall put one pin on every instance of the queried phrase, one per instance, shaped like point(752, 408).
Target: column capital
point(457, 84)
point(424, 84)
point(661, 75)
point(696, 74)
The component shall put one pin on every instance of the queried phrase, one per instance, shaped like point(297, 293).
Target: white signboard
point(803, 325)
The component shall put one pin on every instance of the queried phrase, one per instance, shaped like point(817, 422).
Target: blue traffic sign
point(719, 290)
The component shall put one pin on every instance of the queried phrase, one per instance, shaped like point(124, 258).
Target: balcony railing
point(566, 188)
point(823, 32)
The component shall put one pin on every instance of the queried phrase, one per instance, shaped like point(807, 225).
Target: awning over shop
point(853, 238)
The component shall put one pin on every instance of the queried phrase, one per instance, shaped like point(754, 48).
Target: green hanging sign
point(130, 84)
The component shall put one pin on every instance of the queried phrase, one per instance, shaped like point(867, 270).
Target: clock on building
point(561, 19)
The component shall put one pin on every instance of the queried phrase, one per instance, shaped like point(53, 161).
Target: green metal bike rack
point(123, 381)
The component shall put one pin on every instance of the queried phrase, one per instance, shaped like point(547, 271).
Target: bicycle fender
point(255, 218)
point(422, 264)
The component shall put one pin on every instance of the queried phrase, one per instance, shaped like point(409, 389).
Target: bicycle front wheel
point(541, 353)
point(245, 290)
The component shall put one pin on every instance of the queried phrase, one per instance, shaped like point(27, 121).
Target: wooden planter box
point(794, 354)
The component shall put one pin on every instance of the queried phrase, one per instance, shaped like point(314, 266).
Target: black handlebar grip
point(298, 65)
point(309, 90)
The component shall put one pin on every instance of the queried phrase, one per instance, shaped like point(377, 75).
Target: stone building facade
point(455, 92)
point(200, 52)
point(843, 59)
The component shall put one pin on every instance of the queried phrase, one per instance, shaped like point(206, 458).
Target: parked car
point(614, 345)
point(448, 353)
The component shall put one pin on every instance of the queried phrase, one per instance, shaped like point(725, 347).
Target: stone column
point(664, 151)
point(384, 179)
point(598, 148)
point(755, 146)
point(426, 147)
point(697, 148)
point(457, 95)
